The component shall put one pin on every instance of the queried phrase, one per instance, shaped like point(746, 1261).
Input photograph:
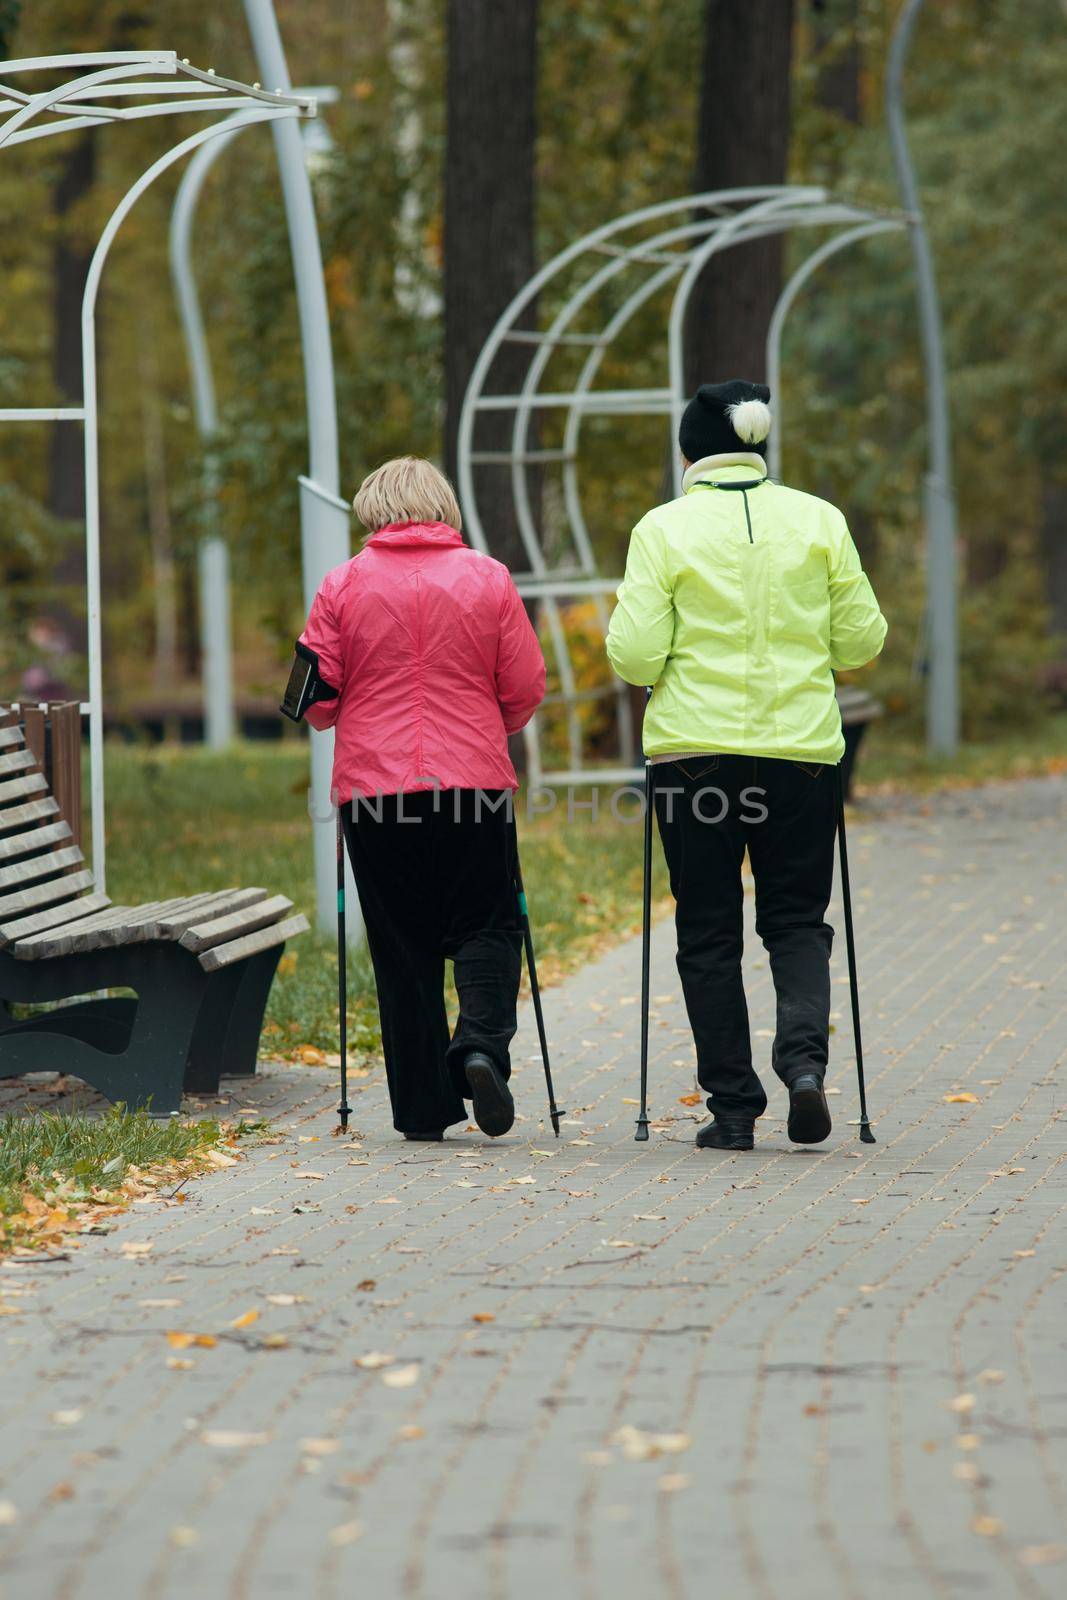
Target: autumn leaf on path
point(401, 1377)
point(374, 1359)
point(232, 1439)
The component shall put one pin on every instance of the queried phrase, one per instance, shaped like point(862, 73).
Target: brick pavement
point(800, 1325)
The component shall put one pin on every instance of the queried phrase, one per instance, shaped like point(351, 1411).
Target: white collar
point(706, 467)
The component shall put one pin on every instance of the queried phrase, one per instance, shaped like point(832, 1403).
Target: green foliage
point(9, 18)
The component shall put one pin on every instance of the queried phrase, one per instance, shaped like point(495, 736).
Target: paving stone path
point(618, 1371)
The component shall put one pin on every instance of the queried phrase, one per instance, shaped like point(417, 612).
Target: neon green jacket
point(739, 621)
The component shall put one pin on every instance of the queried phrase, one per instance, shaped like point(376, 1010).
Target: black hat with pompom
point(724, 418)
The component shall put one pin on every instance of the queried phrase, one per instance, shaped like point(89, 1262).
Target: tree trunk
point(1054, 553)
point(71, 254)
point(164, 585)
point(743, 141)
point(488, 226)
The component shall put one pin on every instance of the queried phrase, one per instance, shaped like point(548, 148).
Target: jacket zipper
point(748, 519)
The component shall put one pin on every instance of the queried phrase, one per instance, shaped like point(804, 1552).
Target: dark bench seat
point(201, 966)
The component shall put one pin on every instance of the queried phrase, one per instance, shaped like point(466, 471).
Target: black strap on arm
point(305, 687)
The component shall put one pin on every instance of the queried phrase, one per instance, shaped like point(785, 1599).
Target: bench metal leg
point(246, 1018)
point(208, 1050)
point(150, 1069)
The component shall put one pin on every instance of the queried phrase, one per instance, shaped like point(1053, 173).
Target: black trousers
point(435, 874)
point(709, 811)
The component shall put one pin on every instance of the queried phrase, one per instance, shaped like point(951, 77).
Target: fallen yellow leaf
point(183, 1341)
point(401, 1377)
point(246, 1320)
point(375, 1359)
point(961, 1099)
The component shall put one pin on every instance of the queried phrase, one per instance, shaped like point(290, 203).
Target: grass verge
point(62, 1173)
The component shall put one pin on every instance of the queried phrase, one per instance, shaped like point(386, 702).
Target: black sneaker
point(494, 1109)
point(729, 1135)
point(809, 1115)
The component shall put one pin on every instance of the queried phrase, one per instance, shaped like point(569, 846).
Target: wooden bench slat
point(251, 944)
point(259, 915)
point(17, 761)
point(52, 917)
point(75, 933)
point(117, 925)
point(23, 816)
point(18, 787)
point(44, 894)
point(11, 738)
point(24, 844)
point(226, 900)
point(42, 866)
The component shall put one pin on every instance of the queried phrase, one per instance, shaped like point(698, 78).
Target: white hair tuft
point(750, 420)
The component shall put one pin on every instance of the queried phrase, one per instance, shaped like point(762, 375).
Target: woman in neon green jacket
point(741, 598)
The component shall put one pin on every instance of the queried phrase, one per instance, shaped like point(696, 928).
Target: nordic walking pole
point(344, 1109)
point(641, 1133)
point(531, 966)
point(866, 1132)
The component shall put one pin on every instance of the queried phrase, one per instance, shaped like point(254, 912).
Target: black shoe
point(432, 1136)
point(494, 1109)
point(726, 1135)
point(809, 1115)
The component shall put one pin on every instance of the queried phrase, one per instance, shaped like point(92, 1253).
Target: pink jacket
point(435, 659)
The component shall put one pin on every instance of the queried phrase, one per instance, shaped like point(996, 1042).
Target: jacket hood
point(416, 533)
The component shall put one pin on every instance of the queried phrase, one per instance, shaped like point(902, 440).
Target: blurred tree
point(489, 239)
point(9, 20)
point(742, 140)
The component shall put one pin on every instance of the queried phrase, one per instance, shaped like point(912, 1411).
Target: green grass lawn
point(181, 819)
point(890, 761)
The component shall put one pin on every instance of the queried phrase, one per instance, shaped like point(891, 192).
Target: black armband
point(305, 687)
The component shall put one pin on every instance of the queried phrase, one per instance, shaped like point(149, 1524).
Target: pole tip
point(867, 1134)
point(641, 1133)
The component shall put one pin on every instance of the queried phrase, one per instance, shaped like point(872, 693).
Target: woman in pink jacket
point(435, 663)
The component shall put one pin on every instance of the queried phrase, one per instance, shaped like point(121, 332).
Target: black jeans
point(784, 812)
point(436, 880)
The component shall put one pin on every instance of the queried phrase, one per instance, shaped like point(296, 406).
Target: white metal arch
point(675, 252)
point(152, 77)
point(807, 269)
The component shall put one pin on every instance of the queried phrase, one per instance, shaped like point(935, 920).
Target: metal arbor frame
point(667, 245)
point(213, 556)
point(118, 86)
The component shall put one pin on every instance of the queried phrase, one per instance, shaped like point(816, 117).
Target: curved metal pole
point(807, 268)
point(324, 519)
point(92, 463)
point(943, 695)
point(213, 556)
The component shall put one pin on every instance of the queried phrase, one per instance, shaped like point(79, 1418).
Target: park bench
point(200, 966)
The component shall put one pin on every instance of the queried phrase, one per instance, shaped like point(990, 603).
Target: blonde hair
point(407, 489)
